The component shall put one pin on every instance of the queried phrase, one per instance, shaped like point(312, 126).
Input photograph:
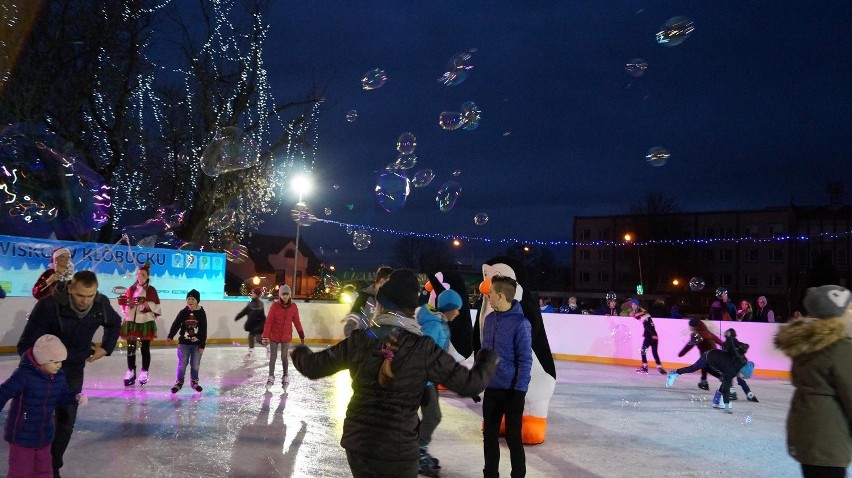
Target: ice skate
point(728, 407)
point(177, 387)
point(130, 377)
point(732, 395)
point(716, 398)
point(661, 370)
point(143, 377)
point(751, 398)
point(195, 386)
point(670, 379)
point(427, 468)
point(643, 369)
point(285, 382)
point(703, 385)
point(270, 382)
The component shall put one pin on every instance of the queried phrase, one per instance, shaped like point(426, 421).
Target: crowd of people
point(397, 354)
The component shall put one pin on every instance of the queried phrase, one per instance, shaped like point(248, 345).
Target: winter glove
point(82, 399)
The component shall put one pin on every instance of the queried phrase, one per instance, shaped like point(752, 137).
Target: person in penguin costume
point(460, 330)
point(543, 375)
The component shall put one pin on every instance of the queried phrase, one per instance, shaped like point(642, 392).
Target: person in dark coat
point(819, 435)
point(365, 302)
point(705, 340)
point(389, 364)
point(73, 314)
point(255, 319)
point(36, 387)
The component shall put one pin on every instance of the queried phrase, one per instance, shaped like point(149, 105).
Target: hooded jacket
point(509, 334)
point(35, 395)
point(818, 424)
point(382, 422)
point(55, 315)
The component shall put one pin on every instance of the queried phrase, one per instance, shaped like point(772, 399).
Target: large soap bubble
point(675, 31)
point(373, 79)
point(392, 191)
point(657, 156)
point(361, 239)
point(448, 195)
point(696, 284)
point(450, 120)
point(422, 178)
point(457, 69)
point(636, 67)
point(406, 143)
point(230, 150)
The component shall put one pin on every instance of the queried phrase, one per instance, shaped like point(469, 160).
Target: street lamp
point(302, 185)
point(628, 238)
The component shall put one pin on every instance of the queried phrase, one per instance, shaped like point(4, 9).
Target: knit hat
point(634, 301)
point(694, 322)
point(194, 293)
point(48, 348)
point(258, 291)
point(827, 301)
point(449, 300)
point(401, 290)
point(284, 289)
point(58, 252)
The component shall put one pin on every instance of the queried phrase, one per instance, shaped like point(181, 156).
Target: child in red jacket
point(278, 330)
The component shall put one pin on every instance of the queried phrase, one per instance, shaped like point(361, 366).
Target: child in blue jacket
point(36, 387)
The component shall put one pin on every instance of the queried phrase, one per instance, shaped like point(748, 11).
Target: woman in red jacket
point(278, 330)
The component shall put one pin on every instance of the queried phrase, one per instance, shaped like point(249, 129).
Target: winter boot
point(732, 395)
point(661, 370)
point(751, 398)
point(424, 452)
point(130, 377)
point(729, 407)
point(143, 377)
point(270, 382)
point(195, 386)
point(177, 387)
point(703, 385)
point(670, 378)
point(428, 465)
point(285, 382)
point(716, 398)
point(643, 369)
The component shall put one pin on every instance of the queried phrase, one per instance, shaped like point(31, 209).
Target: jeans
point(495, 405)
point(188, 354)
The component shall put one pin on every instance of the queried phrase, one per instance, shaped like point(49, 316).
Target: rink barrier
point(584, 338)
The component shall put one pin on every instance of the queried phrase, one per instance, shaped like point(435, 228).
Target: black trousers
point(66, 416)
point(146, 354)
point(495, 405)
point(366, 467)
point(649, 342)
point(813, 471)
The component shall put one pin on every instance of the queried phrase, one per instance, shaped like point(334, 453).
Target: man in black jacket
point(74, 315)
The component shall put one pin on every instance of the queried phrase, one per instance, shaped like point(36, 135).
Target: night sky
point(754, 108)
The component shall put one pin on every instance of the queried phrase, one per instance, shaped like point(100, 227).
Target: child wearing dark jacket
point(255, 319)
point(191, 323)
point(36, 387)
point(651, 339)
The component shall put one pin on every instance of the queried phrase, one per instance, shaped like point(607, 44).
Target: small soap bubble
point(328, 211)
point(457, 173)
point(422, 178)
point(457, 69)
point(749, 419)
point(406, 160)
point(471, 115)
point(336, 186)
point(374, 79)
point(361, 239)
point(675, 31)
point(448, 195)
point(480, 219)
point(696, 284)
point(351, 116)
point(406, 143)
point(657, 156)
point(636, 67)
point(450, 120)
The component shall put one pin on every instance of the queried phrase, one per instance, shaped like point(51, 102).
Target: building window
point(777, 255)
point(709, 255)
point(726, 255)
point(604, 234)
point(751, 230)
point(775, 280)
point(726, 279)
point(584, 276)
point(709, 233)
point(603, 255)
point(603, 277)
point(585, 255)
point(776, 230)
point(750, 280)
point(726, 231)
point(751, 255)
point(585, 235)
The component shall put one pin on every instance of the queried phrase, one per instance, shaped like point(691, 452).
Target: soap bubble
point(351, 116)
point(406, 143)
point(336, 187)
point(392, 190)
point(619, 334)
point(422, 178)
point(448, 195)
point(696, 284)
point(406, 161)
point(221, 219)
point(480, 219)
point(675, 31)
point(450, 120)
point(348, 230)
point(457, 173)
point(636, 67)
point(361, 239)
point(328, 211)
point(229, 150)
point(373, 79)
point(235, 252)
point(457, 69)
point(657, 156)
point(470, 114)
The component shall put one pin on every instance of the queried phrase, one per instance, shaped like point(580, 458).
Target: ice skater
point(651, 339)
point(141, 306)
point(706, 341)
point(733, 345)
point(278, 331)
point(191, 324)
point(255, 319)
point(389, 364)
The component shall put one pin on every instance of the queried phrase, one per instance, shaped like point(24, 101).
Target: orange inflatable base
point(533, 429)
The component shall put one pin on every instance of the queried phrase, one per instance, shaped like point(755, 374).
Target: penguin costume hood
point(543, 381)
point(461, 329)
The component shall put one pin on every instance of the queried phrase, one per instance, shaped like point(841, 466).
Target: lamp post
point(302, 185)
point(628, 238)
